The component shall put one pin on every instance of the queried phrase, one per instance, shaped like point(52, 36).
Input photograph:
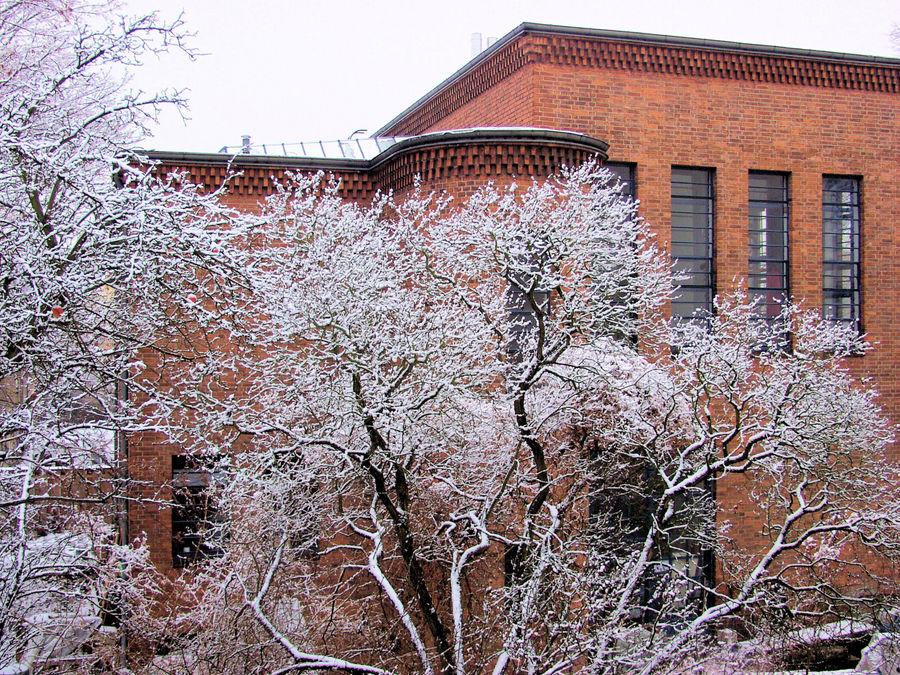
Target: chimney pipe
point(475, 44)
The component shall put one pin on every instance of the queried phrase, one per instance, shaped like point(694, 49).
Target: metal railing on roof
point(353, 148)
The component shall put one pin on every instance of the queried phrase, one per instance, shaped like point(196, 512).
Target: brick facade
point(657, 102)
point(458, 162)
point(662, 102)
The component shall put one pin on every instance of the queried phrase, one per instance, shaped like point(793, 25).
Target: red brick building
point(778, 168)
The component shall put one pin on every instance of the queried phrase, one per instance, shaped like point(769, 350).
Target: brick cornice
point(724, 63)
point(475, 154)
point(212, 172)
point(588, 48)
point(478, 162)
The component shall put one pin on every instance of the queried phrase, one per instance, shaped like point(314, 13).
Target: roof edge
point(643, 38)
point(244, 160)
point(433, 139)
point(494, 135)
point(470, 65)
point(718, 45)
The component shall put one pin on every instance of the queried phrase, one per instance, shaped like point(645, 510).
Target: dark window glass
point(768, 242)
point(196, 523)
point(681, 557)
point(527, 299)
point(523, 319)
point(624, 174)
point(692, 242)
point(840, 249)
point(515, 564)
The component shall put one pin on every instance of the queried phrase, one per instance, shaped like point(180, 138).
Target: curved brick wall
point(459, 161)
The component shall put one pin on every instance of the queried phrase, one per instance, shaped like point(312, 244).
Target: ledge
point(501, 135)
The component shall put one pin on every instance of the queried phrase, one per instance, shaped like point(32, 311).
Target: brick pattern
point(461, 169)
point(694, 62)
point(634, 56)
point(658, 121)
point(440, 166)
point(257, 182)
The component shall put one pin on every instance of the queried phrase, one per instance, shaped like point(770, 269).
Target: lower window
point(197, 527)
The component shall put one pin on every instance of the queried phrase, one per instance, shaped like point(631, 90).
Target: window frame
point(625, 174)
point(764, 264)
point(523, 321)
point(849, 256)
point(197, 523)
point(677, 550)
point(697, 219)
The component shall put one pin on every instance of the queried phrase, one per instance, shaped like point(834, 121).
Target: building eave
point(701, 43)
point(501, 135)
point(648, 39)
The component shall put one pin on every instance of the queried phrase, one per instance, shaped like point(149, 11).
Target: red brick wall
point(661, 106)
point(658, 121)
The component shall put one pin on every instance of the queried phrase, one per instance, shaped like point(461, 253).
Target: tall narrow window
point(623, 173)
point(692, 242)
point(524, 302)
point(840, 249)
point(626, 509)
point(768, 230)
point(196, 523)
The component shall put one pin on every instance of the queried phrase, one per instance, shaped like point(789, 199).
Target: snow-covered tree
point(98, 257)
point(440, 438)
point(466, 439)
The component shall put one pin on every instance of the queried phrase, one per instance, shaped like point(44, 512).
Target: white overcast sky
point(292, 70)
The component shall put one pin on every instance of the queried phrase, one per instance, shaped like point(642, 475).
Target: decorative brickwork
point(439, 166)
point(472, 155)
point(257, 181)
point(696, 62)
point(604, 50)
